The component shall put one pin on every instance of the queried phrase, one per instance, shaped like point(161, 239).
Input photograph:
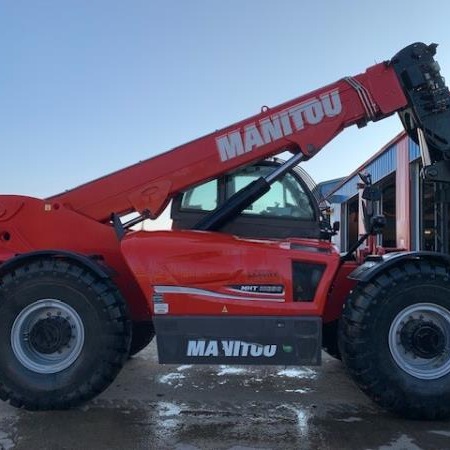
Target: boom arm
point(410, 83)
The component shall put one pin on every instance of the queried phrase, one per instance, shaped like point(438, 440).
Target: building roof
point(380, 165)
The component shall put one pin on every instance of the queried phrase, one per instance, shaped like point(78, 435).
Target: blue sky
point(90, 86)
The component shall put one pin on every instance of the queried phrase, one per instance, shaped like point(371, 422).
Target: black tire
point(64, 335)
point(142, 334)
point(395, 339)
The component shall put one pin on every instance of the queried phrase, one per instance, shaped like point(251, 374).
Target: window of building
point(435, 217)
point(352, 222)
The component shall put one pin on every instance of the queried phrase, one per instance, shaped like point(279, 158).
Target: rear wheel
point(64, 335)
point(395, 339)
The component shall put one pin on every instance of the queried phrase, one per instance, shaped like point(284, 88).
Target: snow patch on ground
point(6, 443)
point(297, 373)
point(302, 417)
point(226, 370)
point(441, 432)
point(403, 442)
point(168, 413)
point(171, 378)
point(302, 421)
point(350, 419)
point(167, 409)
point(184, 367)
point(299, 391)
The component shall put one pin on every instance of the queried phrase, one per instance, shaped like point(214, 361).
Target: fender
point(86, 261)
point(374, 265)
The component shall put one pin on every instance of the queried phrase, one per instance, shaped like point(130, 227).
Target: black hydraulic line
point(349, 255)
point(244, 198)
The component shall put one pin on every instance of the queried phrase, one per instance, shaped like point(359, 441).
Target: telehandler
point(80, 290)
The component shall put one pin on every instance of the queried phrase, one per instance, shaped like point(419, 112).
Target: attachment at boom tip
point(427, 117)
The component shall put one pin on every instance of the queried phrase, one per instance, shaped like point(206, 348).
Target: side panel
point(239, 340)
point(192, 273)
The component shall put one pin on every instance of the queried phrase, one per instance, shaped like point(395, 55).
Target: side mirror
point(370, 194)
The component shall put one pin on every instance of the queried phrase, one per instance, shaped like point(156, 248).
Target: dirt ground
point(222, 407)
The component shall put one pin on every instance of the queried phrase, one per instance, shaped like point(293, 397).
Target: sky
point(88, 87)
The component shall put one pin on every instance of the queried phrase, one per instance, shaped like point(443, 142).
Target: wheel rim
point(47, 336)
point(419, 340)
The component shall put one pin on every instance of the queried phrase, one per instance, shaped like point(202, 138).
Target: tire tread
point(356, 344)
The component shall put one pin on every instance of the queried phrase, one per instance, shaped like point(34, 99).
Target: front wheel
point(395, 339)
point(64, 335)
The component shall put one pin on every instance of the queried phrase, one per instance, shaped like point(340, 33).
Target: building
point(416, 211)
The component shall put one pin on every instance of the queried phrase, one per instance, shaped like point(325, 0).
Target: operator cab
point(289, 209)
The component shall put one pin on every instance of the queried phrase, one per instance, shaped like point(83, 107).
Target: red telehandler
point(79, 286)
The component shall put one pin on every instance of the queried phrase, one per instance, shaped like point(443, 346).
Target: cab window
point(202, 197)
point(286, 197)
